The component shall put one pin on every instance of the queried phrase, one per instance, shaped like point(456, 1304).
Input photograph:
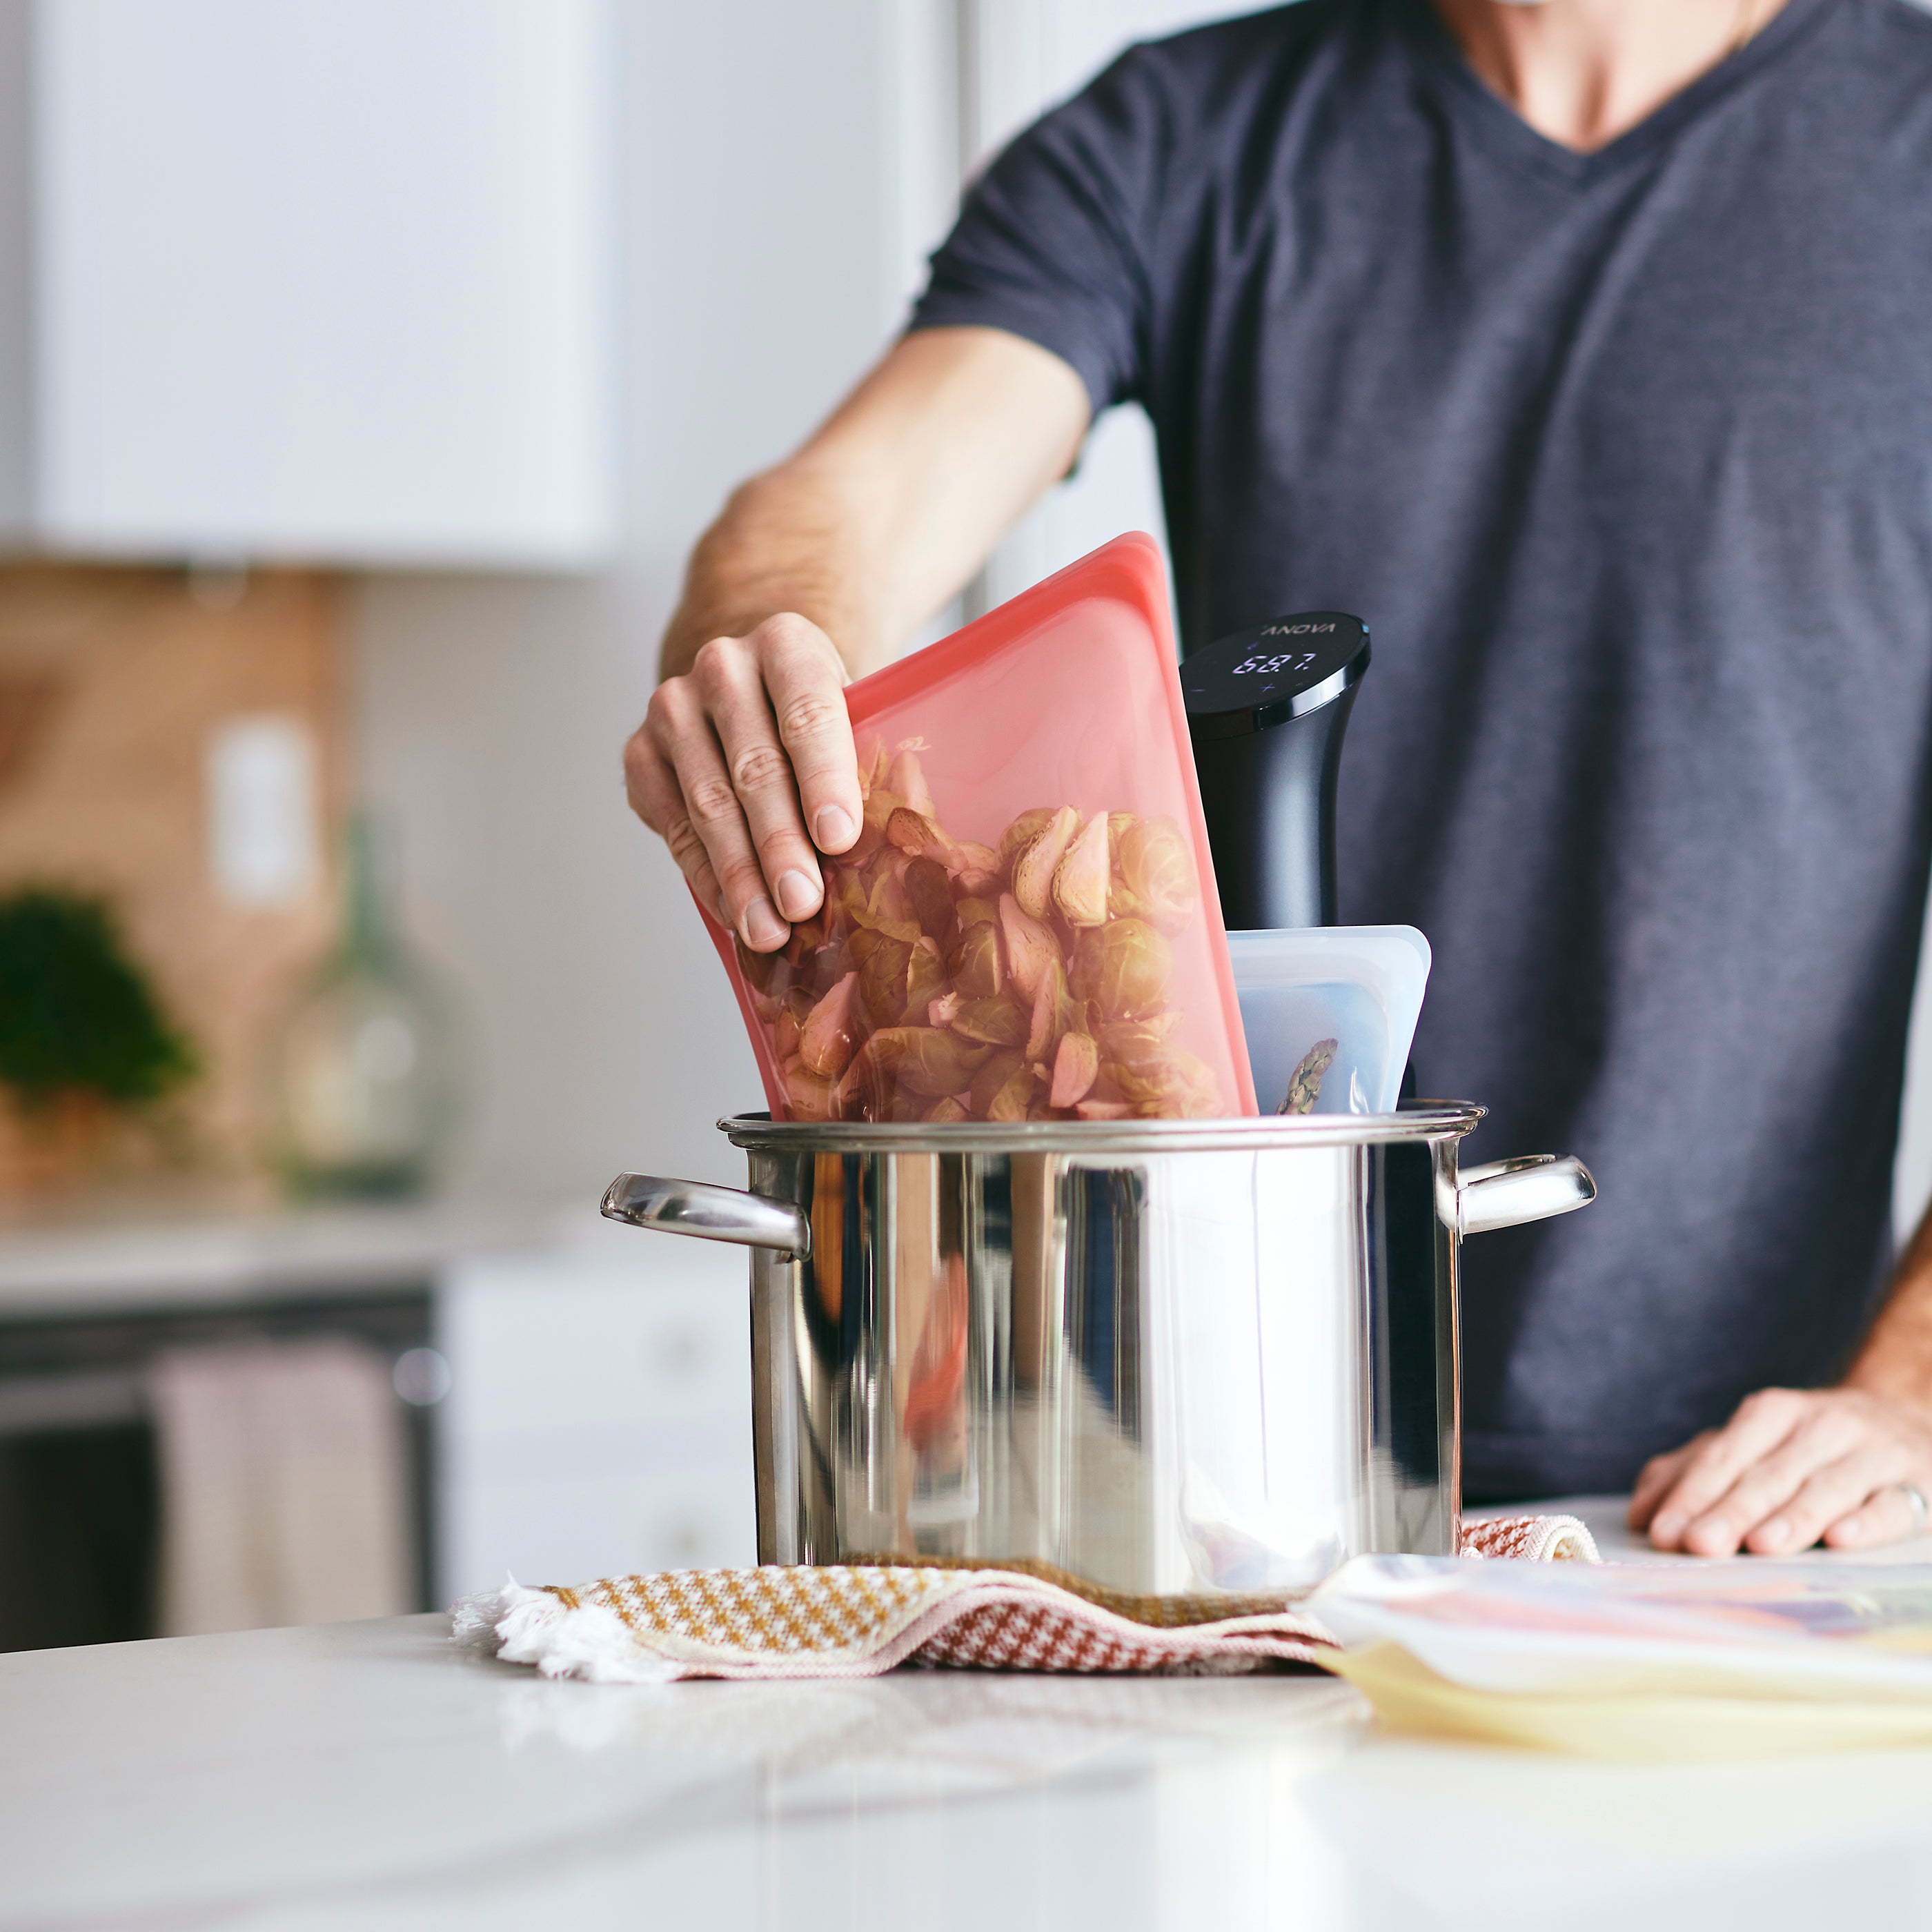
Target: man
point(1582, 348)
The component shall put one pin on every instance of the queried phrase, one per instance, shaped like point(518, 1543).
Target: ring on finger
point(1921, 1511)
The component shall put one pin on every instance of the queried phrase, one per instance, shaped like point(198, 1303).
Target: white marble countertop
point(90, 1260)
point(368, 1775)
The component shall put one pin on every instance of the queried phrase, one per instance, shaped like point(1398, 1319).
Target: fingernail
point(1712, 1536)
point(1776, 1530)
point(762, 927)
point(1851, 1529)
point(798, 897)
point(832, 828)
point(1667, 1526)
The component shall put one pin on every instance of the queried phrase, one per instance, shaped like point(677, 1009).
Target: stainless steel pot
point(1170, 1357)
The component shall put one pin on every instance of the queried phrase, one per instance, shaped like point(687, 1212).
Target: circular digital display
point(1281, 670)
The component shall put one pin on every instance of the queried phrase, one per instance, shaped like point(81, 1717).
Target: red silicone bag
point(1028, 927)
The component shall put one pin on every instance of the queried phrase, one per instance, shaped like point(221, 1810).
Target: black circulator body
point(1266, 709)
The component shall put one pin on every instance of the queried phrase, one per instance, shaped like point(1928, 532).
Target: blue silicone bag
point(1330, 1013)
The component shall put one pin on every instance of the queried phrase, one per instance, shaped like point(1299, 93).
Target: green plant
point(76, 1012)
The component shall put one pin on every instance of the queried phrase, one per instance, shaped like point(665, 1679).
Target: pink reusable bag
point(1028, 927)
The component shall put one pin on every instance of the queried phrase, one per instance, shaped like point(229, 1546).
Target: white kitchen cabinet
point(599, 1415)
point(321, 280)
point(612, 1514)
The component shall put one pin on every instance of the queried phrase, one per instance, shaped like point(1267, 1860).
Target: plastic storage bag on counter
point(1655, 1660)
point(1027, 927)
point(1330, 1014)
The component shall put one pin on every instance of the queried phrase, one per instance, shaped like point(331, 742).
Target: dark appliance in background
point(80, 1501)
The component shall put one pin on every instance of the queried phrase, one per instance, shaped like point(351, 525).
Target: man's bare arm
point(1895, 1362)
point(817, 571)
point(1795, 1465)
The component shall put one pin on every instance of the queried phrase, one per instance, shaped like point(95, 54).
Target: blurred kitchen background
point(367, 369)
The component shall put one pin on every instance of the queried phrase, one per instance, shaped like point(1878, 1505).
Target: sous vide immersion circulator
point(1266, 709)
point(1328, 1011)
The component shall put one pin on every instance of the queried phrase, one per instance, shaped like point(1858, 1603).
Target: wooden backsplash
point(111, 682)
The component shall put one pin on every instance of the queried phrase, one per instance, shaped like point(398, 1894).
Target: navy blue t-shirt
point(1627, 459)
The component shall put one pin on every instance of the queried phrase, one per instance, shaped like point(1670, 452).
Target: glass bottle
point(365, 1088)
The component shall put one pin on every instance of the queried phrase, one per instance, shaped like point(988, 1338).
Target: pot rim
point(1418, 1120)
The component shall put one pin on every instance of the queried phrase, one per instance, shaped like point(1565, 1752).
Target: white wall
point(1911, 1172)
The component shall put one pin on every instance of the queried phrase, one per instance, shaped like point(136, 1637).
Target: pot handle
point(711, 1213)
point(1531, 1187)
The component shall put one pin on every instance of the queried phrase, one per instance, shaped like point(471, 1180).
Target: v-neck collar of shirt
point(1442, 59)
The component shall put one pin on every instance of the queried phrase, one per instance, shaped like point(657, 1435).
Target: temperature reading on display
point(1290, 660)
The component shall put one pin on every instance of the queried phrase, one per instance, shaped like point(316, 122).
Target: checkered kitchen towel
point(858, 1620)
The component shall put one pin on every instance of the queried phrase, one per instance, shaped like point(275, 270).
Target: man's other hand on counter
point(1791, 1468)
point(1850, 1466)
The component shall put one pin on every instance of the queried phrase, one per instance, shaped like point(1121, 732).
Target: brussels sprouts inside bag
point(1027, 927)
